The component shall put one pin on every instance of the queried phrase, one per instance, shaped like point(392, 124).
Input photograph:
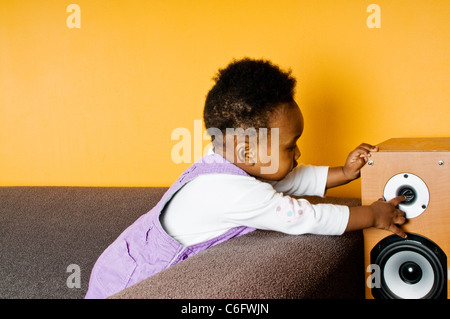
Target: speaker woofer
point(412, 268)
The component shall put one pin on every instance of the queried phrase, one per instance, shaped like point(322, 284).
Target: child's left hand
point(357, 159)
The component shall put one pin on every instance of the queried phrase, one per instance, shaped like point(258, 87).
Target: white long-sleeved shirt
point(211, 204)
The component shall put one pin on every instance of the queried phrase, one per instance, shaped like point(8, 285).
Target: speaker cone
point(412, 268)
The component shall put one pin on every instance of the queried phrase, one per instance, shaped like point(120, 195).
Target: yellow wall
point(96, 105)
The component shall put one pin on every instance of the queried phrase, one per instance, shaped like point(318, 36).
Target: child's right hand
point(387, 215)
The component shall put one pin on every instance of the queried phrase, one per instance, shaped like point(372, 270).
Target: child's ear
point(246, 153)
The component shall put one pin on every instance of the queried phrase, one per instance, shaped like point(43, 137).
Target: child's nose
point(297, 153)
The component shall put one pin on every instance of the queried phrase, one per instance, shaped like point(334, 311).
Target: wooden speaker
point(415, 267)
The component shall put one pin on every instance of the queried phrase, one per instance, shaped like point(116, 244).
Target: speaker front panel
point(426, 181)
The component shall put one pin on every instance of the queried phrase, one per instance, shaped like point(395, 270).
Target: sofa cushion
point(44, 230)
point(264, 264)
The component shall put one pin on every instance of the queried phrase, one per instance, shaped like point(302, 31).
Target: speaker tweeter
point(415, 190)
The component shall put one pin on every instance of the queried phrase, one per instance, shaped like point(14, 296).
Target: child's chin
point(275, 177)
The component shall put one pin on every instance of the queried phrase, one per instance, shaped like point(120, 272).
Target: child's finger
point(369, 148)
point(397, 200)
point(400, 219)
point(359, 154)
point(365, 157)
point(362, 152)
point(396, 230)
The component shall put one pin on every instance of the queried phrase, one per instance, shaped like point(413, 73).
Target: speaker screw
point(440, 163)
point(371, 163)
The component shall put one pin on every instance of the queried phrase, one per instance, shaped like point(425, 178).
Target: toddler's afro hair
point(246, 93)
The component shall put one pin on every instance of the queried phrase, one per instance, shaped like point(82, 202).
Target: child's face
point(289, 122)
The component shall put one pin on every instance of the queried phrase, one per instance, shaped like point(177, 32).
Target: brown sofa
point(45, 230)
